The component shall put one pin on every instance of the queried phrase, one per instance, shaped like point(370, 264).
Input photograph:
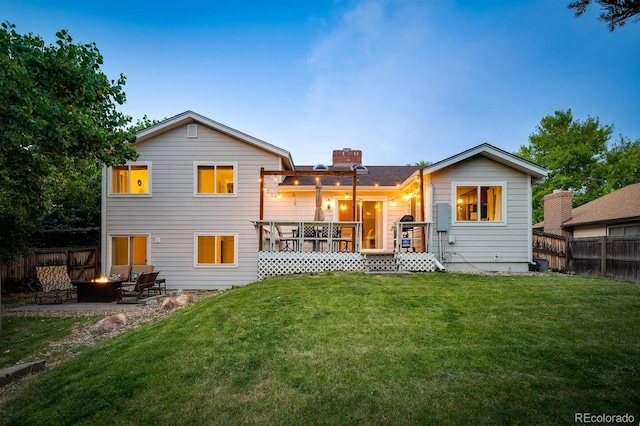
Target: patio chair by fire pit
point(54, 282)
point(134, 291)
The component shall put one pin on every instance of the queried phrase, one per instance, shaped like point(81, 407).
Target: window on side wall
point(624, 230)
point(131, 179)
point(480, 203)
point(215, 250)
point(214, 179)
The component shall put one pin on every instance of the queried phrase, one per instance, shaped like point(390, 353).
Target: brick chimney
point(347, 157)
point(557, 210)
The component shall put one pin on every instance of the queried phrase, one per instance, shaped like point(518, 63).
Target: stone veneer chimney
point(347, 157)
point(557, 210)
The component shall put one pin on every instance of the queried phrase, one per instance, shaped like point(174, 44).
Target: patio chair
point(285, 240)
point(120, 272)
point(54, 282)
point(135, 290)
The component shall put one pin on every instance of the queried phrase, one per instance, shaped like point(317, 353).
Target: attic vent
point(320, 167)
point(360, 169)
point(192, 130)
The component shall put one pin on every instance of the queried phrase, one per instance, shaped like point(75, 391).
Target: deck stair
point(381, 263)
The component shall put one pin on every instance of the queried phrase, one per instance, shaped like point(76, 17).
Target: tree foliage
point(577, 157)
point(58, 113)
point(615, 13)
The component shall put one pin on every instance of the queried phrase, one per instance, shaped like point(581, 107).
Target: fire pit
point(98, 290)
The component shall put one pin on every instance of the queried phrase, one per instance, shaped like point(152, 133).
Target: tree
point(623, 164)
point(57, 114)
point(615, 14)
point(574, 152)
point(421, 163)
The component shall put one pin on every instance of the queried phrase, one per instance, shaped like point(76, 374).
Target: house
point(186, 205)
point(212, 207)
point(615, 214)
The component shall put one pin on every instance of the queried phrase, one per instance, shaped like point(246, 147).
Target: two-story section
point(186, 204)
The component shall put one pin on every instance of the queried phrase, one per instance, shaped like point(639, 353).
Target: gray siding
point(173, 214)
point(477, 244)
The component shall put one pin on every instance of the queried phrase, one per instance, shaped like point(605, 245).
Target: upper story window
point(480, 203)
point(132, 179)
point(214, 179)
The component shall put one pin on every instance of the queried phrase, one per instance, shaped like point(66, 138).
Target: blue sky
point(402, 80)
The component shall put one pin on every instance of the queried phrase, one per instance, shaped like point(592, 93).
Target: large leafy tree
point(58, 114)
point(574, 152)
point(623, 164)
point(615, 13)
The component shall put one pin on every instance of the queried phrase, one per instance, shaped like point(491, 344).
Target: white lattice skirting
point(289, 262)
point(419, 262)
point(271, 264)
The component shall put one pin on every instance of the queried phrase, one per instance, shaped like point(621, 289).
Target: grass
point(356, 349)
point(26, 339)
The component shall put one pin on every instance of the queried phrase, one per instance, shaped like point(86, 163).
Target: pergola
point(299, 173)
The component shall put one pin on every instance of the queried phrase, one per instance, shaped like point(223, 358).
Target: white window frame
point(215, 265)
point(478, 222)
point(127, 235)
point(130, 194)
point(197, 164)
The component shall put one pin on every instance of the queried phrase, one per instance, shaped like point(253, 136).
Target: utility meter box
point(443, 221)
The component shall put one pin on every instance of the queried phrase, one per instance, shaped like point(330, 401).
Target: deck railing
point(301, 236)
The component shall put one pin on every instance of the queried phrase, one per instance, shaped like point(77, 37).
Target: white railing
point(409, 235)
point(304, 236)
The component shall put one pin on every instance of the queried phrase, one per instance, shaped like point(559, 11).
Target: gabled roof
point(382, 176)
point(620, 206)
point(192, 117)
point(495, 154)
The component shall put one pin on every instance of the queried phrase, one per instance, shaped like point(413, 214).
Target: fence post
point(603, 256)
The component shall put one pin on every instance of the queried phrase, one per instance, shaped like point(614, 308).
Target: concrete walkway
point(72, 305)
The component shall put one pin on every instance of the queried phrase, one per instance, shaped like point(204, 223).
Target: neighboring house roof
point(192, 117)
point(495, 154)
point(380, 175)
point(620, 206)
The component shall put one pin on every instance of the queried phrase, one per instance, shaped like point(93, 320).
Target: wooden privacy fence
point(83, 263)
point(552, 248)
point(613, 257)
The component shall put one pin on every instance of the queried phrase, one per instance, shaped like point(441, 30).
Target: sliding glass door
point(129, 250)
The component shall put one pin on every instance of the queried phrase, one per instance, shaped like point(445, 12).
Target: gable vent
point(192, 130)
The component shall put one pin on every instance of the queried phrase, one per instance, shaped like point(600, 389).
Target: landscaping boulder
point(180, 301)
point(110, 324)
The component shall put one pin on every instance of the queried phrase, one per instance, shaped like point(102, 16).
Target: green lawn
point(356, 349)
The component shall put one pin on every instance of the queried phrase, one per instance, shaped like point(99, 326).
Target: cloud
point(378, 77)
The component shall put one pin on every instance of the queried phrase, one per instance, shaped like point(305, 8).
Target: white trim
point(487, 223)
point(130, 194)
point(215, 234)
point(197, 164)
point(529, 219)
point(191, 117)
point(495, 154)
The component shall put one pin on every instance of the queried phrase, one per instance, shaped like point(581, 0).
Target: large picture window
point(479, 203)
point(215, 250)
point(214, 179)
point(130, 179)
